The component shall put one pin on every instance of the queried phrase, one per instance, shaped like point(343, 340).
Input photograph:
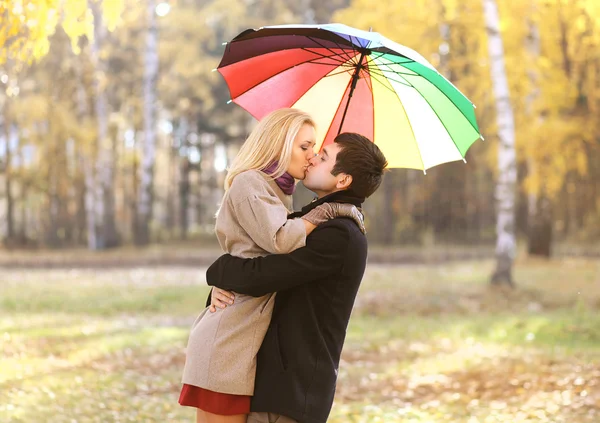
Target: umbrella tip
point(225, 43)
point(214, 70)
point(229, 101)
point(464, 160)
point(474, 105)
point(424, 172)
point(370, 29)
point(481, 137)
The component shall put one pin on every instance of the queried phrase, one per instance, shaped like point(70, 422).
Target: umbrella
point(355, 81)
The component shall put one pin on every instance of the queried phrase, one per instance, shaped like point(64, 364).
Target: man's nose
point(313, 159)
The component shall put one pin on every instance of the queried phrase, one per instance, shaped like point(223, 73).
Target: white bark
point(86, 162)
point(96, 201)
point(183, 180)
point(105, 164)
point(533, 47)
point(444, 48)
point(8, 191)
point(146, 192)
point(507, 160)
point(539, 207)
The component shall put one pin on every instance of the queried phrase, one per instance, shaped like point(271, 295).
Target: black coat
point(316, 285)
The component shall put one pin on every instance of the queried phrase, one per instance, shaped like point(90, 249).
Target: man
point(316, 287)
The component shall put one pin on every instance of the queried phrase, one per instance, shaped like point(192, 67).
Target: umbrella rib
point(408, 84)
point(383, 53)
point(369, 60)
point(390, 69)
point(345, 50)
point(326, 48)
point(342, 65)
point(357, 43)
point(378, 80)
point(335, 57)
point(338, 73)
point(403, 82)
point(349, 58)
point(382, 73)
point(370, 83)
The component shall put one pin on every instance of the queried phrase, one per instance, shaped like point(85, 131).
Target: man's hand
point(220, 298)
point(326, 211)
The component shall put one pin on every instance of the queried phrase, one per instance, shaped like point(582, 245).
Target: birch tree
point(103, 183)
point(146, 189)
point(539, 221)
point(8, 177)
point(507, 159)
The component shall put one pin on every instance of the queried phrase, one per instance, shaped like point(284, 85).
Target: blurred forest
point(114, 129)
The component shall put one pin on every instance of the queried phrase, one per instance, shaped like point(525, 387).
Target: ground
point(426, 343)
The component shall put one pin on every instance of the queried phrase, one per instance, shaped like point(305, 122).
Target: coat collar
point(345, 196)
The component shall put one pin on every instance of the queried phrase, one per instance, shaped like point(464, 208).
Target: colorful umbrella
point(355, 81)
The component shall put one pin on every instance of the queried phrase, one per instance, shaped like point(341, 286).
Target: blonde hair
point(270, 141)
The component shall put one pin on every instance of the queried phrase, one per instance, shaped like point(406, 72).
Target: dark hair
point(362, 159)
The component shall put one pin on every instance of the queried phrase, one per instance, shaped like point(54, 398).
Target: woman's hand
point(220, 298)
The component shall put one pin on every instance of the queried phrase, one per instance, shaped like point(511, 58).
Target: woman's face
point(302, 151)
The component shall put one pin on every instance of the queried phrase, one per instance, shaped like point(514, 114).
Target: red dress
point(214, 402)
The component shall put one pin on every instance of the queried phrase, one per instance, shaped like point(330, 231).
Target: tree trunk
point(540, 228)
point(184, 186)
point(104, 206)
point(10, 204)
point(171, 196)
point(80, 191)
point(133, 203)
point(184, 196)
point(539, 219)
point(507, 161)
point(51, 213)
point(146, 192)
point(21, 222)
point(86, 163)
point(388, 209)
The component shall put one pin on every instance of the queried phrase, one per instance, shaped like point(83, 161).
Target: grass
point(425, 344)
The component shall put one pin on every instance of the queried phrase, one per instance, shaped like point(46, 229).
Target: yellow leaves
point(77, 22)
point(27, 25)
point(553, 149)
point(112, 11)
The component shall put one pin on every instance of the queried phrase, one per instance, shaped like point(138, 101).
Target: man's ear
point(344, 181)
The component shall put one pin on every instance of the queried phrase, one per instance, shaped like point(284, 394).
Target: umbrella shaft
point(355, 78)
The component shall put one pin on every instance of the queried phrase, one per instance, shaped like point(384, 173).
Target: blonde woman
point(218, 377)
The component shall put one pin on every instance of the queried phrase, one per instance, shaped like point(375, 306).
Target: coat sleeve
point(322, 257)
point(264, 218)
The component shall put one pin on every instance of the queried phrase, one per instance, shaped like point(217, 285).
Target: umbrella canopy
point(353, 81)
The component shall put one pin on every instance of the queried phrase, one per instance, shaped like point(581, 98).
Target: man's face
point(318, 175)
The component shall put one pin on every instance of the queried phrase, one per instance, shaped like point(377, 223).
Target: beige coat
point(252, 222)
